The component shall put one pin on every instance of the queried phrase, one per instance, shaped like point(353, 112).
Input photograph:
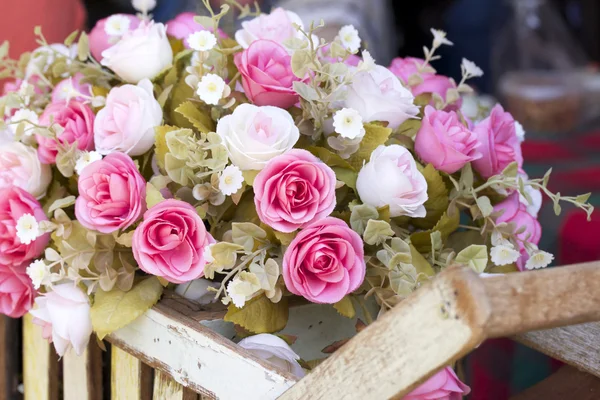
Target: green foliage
point(345, 307)
point(375, 136)
point(475, 257)
point(260, 315)
point(437, 202)
point(199, 119)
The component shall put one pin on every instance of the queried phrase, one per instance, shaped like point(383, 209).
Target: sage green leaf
point(437, 202)
point(475, 257)
point(485, 206)
point(245, 233)
point(375, 135)
point(199, 119)
point(377, 232)
point(260, 315)
point(360, 216)
point(153, 195)
point(345, 307)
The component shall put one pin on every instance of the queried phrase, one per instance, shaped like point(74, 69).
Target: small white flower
point(242, 288)
point(39, 272)
point(27, 228)
point(24, 114)
point(367, 63)
point(117, 25)
point(539, 259)
point(231, 180)
point(25, 91)
point(211, 88)
point(439, 38)
point(202, 40)
point(350, 39)
point(143, 6)
point(207, 254)
point(348, 123)
point(85, 159)
point(504, 254)
point(520, 131)
point(470, 69)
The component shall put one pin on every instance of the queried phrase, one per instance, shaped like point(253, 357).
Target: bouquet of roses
point(245, 170)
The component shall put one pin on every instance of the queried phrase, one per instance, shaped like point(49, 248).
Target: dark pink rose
point(112, 194)
point(14, 203)
point(293, 190)
point(100, 40)
point(324, 262)
point(516, 212)
point(170, 242)
point(267, 75)
point(500, 145)
point(184, 25)
point(16, 291)
point(445, 142)
point(444, 385)
point(77, 121)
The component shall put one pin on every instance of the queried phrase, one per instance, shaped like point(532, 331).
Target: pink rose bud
point(324, 262)
point(293, 190)
point(170, 242)
point(184, 25)
point(444, 385)
point(514, 211)
point(100, 40)
point(112, 194)
point(445, 142)
point(14, 203)
point(77, 121)
point(267, 75)
point(16, 291)
point(500, 145)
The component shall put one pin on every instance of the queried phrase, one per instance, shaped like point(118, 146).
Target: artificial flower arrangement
point(247, 170)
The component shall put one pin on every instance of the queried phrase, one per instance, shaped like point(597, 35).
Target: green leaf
point(485, 206)
point(153, 195)
point(285, 238)
point(447, 224)
point(83, 47)
point(345, 307)
point(466, 177)
point(61, 203)
point(348, 176)
point(301, 60)
point(583, 198)
point(260, 315)
point(511, 170)
point(71, 38)
point(249, 176)
point(437, 202)
point(225, 254)
point(328, 157)
point(410, 127)
point(199, 120)
point(375, 135)
point(360, 216)
point(475, 257)
point(546, 177)
point(377, 232)
point(115, 309)
point(161, 148)
point(420, 263)
point(305, 91)
point(245, 233)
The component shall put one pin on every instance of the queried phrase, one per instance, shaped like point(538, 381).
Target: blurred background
point(540, 59)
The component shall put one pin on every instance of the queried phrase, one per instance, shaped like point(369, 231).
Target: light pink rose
point(112, 194)
point(444, 385)
point(66, 89)
point(100, 40)
point(404, 68)
point(15, 85)
point(170, 242)
point(64, 315)
point(77, 121)
point(277, 26)
point(324, 262)
point(294, 190)
point(516, 212)
point(267, 75)
point(21, 167)
point(184, 25)
point(445, 142)
point(16, 291)
point(14, 203)
point(500, 145)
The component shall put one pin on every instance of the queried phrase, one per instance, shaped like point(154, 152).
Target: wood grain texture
point(40, 364)
point(82, 375)
point(566, 383)
point(9, 358)
point(576, 345)
point(165, 388)
point(130, 378)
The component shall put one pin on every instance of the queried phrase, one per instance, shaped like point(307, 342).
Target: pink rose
point(72, 88)
point(324, 262)
point(77, 121)
point(294, 190)
point(500, 145)
point(516, 212)
point(445, 142)
point(277, 26)
point(15, 85)
point(170, 242)
point(14, 203)
point(184, 25)
point(267, 75)
point(100, 40)
point(404, 68)
point(444, 385)
point(112, 194)
point(16, 291)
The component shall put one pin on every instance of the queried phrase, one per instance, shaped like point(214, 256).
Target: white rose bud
point(274, 350)
point(21, 167)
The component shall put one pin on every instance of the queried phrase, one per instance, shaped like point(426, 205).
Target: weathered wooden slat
point(131, 379)
point(9, 357)
point(40, 364)
point(566, 383)
point(82, 375)
point(165, 388)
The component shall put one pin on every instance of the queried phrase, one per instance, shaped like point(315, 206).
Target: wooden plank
point(40, 364)
point(577, 345)
point(165, 388)
point(199, 358)
point(566, 383)
point(9, 358)
point(130, 378)
point(82, 375)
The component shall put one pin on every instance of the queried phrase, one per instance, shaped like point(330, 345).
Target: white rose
point(378, 95)
point(127, 121)
point(21, 167)
point(391, 178)
point(141, 53)
point(254, 135)
point(197, 290)
point(274, 350)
